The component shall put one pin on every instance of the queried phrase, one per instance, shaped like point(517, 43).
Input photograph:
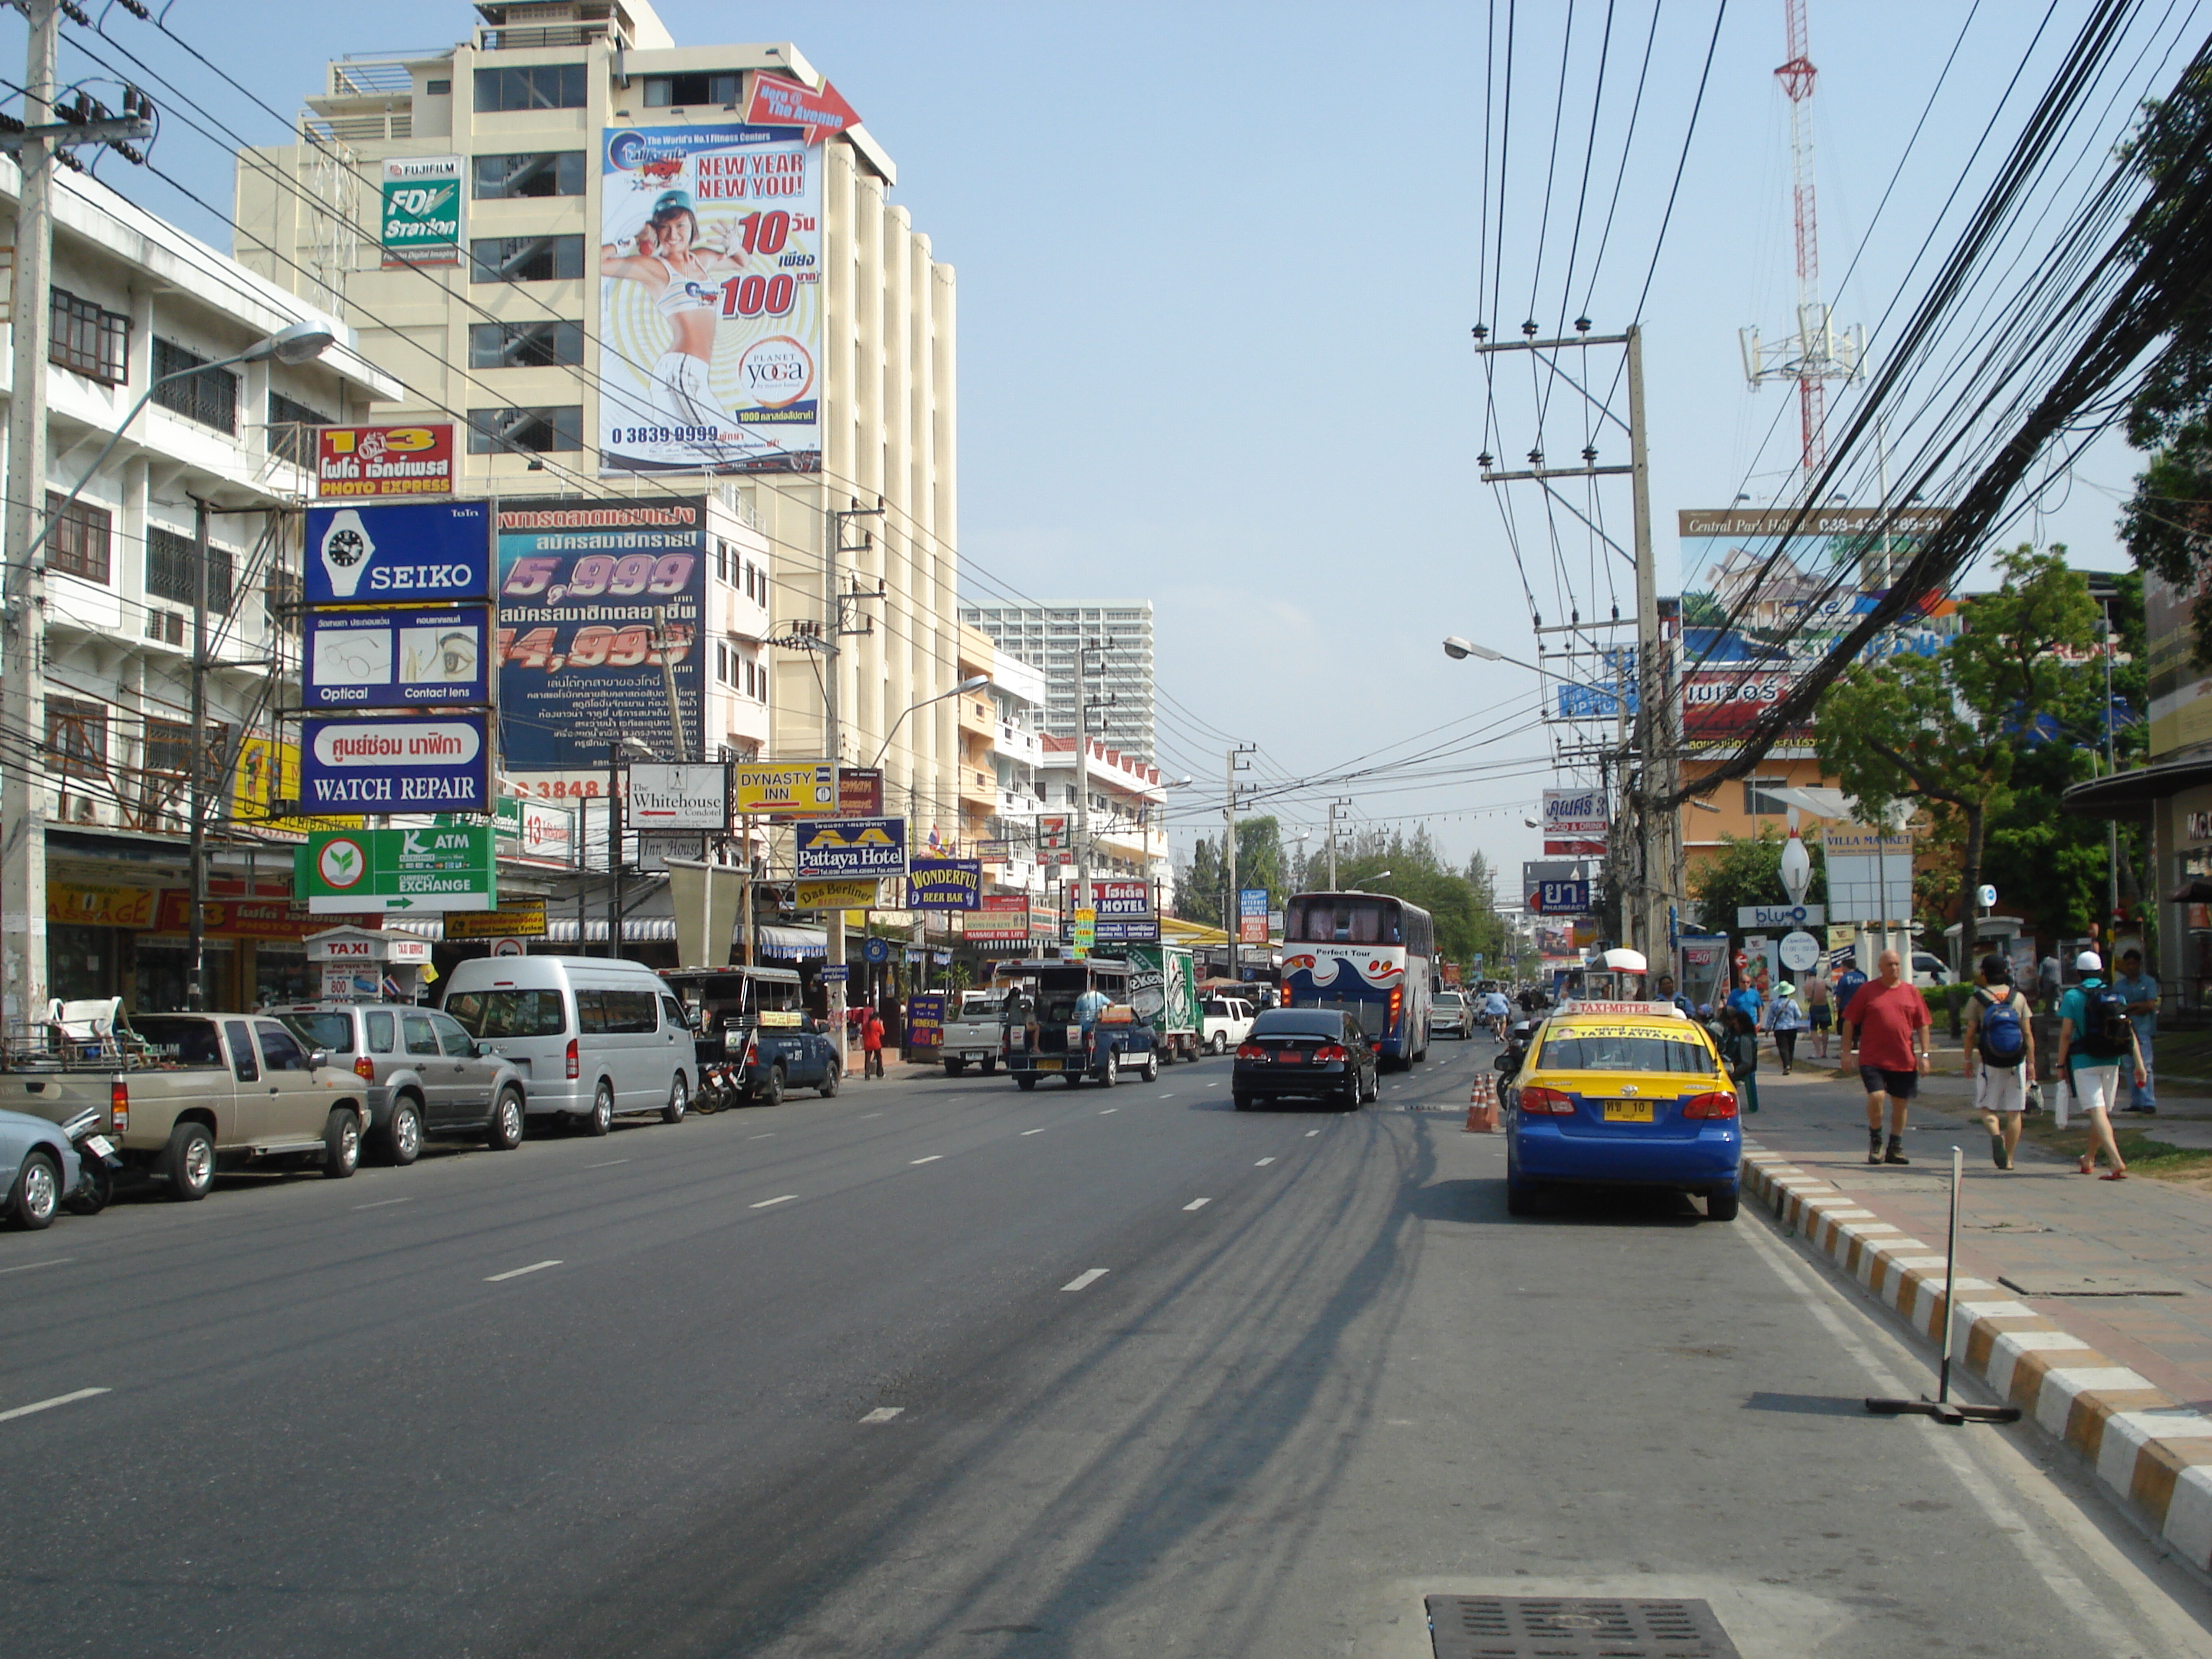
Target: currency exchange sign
point(354, 872)
point(830, 847)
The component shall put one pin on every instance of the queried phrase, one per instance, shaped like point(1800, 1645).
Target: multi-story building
point(559, 121)
point(1002, 759)
point(135, 299)
point(1127, 808)
point(1117, 676)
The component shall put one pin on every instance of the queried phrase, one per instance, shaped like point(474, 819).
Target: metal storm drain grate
point(1574, 1627)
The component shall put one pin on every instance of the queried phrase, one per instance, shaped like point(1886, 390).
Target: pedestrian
point(2141, 991)
point(2046, 981)
point(1739, 1045)
point(872, 1044)
point(1784, 1019)
point(1885, 1034)
point(2000, 1055)
point(1819, 1016)
point(1747, 999)
point(1666, 993)
point(2095, 1035)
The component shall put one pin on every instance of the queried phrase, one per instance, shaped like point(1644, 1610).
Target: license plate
point(1628, 1111)
point(99, 1145)
point(1299, 1054)
point(1048, 1066)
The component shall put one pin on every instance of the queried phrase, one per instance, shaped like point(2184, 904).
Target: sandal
point(2114, 1175)
point(2088, 1163)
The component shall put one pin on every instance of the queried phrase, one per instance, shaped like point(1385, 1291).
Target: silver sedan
point(38, 1170)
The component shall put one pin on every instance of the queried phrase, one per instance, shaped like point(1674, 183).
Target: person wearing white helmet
point(2095, 1035)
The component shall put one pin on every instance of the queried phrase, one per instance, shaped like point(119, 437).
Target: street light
point(974, 683)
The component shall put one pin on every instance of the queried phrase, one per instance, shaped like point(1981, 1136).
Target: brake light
point(1332, 1051)
point(1250, 1051)
point(1715, 1104)
point(576, 1061)
point(365, 1069)
point(1540, 1101)
point(1397, 1001)
point(119, 1105)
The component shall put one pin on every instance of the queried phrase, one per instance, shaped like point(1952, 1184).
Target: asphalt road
point(942, 1368)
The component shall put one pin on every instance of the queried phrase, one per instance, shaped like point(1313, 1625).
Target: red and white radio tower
point(1815, 353)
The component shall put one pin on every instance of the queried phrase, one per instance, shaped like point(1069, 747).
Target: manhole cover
point(1574, 1627)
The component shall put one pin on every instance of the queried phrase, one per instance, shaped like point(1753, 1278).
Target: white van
point(592, 1037)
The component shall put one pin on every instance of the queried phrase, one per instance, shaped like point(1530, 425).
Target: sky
point(1218, 265)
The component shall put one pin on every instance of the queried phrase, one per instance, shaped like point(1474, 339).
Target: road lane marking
point(383, 1203)
point(1198, 1203)
point(31, 1266)
point(865, 1115)
point(517, 1272)
point(1033, 1132)
point(766, 1202)
point(1216, 1084)
point(770, 1134)
point(609, 1164)
point(1081, 1280)
point(82, 1394)
point(1310, 1133)
point(1109, 1111)
point(883, 1414)
point(931, 1158)
point(1168, 1096)
point(1263, 1163)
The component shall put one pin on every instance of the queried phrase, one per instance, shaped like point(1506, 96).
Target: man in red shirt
point(1886, 1036)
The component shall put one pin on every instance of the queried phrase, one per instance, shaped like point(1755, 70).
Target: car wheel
point(954, 1067)
point(771, 1092)
point(37, 1192)
point(990, 1067)
point(1350, 1097)
point(1375, 1085)
point(341, 1143)
point(601, 1117)
point(1216, 1043)
point(505, 1134)
point(1025, 1084)
point(1151, 1071)
point(188, 1162)
point(1111, 1073)
point(1721, 1206)
point(1241, 1101)
point(829, 1081)
point(1520, 1197)
point(95, 1188)
point(403, 1135)
point(679, 1101)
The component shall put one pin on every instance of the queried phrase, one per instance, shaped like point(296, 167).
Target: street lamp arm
point(974, 683)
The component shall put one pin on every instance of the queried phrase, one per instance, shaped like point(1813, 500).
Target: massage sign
point(399, 632)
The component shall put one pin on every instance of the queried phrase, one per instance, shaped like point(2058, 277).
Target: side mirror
point(1509, 1060)
point(317, 1058)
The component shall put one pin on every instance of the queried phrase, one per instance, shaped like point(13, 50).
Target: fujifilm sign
point(681, 797)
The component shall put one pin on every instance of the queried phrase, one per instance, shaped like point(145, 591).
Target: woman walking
point(1741, 1054)
point(1784, 1019)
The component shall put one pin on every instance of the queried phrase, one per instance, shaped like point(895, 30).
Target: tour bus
point(1369, 954)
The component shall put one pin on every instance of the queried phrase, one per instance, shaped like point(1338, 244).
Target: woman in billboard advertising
point(683, 273)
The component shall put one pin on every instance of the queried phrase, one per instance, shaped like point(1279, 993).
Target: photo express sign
point(384, 460)
point(831, 847)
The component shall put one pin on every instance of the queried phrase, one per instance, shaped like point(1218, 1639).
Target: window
point(78, 542)
point(525, 258)
point(1583, 1051)
point(242, 1051)
point(534, 85)
point(507, 178)
point(331, 1032)
point(169, 748)
point(292, 429)
point(169, 561)
point(524, 345)
point(210, 398)
point(421, 1038)
point(77, 736)
point(681, 91)
point(87, 338)
point(283, 601)
point(437, 89)
point(533, 431)
point(614, 1012)
point(381, 1036)
point(1758, 804)
point(510, 1013)
point(280, 1049)
point(455, 1041)
point(166, 626)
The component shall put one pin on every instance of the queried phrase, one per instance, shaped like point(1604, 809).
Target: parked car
point(1449, 1011)
point(1318, 1053)
point(755, 1041)
point(1224, 1021)
point(193, 1090)
point(38, 1170)
point(1930, 970)
point(592, 1037)
point(426, 1076)
point(976, 1031)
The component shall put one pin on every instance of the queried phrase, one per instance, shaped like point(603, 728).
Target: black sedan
point(1320, 1053)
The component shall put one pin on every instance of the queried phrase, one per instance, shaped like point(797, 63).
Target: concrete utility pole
point(1332, 805)
point(834, 633)
point(195, 973)
point(1231, 911)
point(1082, 783)
point(23, 694)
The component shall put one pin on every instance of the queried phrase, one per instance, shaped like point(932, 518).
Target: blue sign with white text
point(827, 849)
point(409, 762)
point(414, 553)
point(396, 659)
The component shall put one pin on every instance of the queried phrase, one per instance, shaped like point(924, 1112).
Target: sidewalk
point(2087, 1302)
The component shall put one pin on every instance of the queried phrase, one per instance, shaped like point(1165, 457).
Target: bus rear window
point(1343, 921)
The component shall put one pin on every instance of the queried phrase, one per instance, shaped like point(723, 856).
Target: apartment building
point(1002, 783)
point(1117, 675)
point(1128, 807)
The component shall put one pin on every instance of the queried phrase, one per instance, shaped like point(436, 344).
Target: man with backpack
point(2000, 1049)
point(2095, 1035)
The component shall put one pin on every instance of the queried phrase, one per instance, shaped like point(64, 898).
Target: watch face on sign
point(346, 549)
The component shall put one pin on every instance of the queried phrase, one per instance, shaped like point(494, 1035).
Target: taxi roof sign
point(1662, 1010)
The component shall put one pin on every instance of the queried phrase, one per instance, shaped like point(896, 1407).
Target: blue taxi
point(1619, 1094)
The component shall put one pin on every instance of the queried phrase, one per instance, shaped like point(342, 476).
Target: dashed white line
point(1168, 1096)
point(517, 1272)
point(1216, 1084)
point(1082, 1279)
point(1263, 1163)
point(1109, 1111)
point(80, 1393)
point(383, 1203)
point(869, 1115)
point(1033, 1132)
point(609, 1164)
point(766, 1202)
point(883, 1414)
point(1310, 1133)
point(30, 1266)
point(1198, 1203)
point(770, 1134)
point(931, 1158)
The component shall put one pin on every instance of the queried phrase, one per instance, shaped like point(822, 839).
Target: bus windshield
point(1343, 919)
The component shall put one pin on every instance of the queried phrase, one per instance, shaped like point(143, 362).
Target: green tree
point(1198, 885)
point(1747, 870)
point(1259, 859)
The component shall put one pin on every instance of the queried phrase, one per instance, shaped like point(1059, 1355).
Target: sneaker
point(1895, 1154)
point(1873, 1146)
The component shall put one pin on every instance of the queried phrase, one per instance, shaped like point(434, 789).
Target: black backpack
point(2106, 1031)
point(2000, 1036)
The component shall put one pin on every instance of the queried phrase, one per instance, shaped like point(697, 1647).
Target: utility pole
point(22, 693)
point(196, 999)
point(1082, 786)
point(836, 631)
point(1332, 805)
point(1232, 913)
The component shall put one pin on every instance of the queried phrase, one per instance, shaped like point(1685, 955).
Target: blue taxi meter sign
point(831, 847)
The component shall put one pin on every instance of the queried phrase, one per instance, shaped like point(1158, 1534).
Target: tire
point(1721, 1206)
point(188, 1162)
point(828, 1090)
point(341, 1143)
point(1152, 1071)
point(403, 1135)
point(955, 1067)
point(504, 1134)
point(1241, 1101)
point(1025, 1084)
point(1519, 1198)
point(771, 1092)
point(1350, 1098)
point(990, 1067)
point(37, 1192)
point(601, 1117)
point(1375, 1085)
point(95, 1188)
point(679, 1101)
point(1110, 1073)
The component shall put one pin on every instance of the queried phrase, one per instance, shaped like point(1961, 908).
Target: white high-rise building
point(1118, 634)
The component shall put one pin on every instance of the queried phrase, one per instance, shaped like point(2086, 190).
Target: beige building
point(505, 341)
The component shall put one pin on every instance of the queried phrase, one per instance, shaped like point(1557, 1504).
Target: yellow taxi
point(1619, 1094)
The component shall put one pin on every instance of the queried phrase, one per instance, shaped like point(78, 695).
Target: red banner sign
point(1722, 702)
point(271, 919)
point(384, 460)
point(1004, 917)
point(780, 103)
point(859, 792)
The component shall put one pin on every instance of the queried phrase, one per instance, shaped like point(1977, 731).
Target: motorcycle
point(98, 1162)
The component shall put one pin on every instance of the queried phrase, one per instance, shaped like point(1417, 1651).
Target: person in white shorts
point(2000, 1083)
point(2095, 1054)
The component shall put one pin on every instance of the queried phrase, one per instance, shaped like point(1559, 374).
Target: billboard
point(592, 595)
point(783, 789)
point(396, 659)
point(943, 885)
point(1002, 917)
point(710, 327)
point(421, 224)
point(384, 460)
point(828, 848)
point(692, 795)
point(1123, 912)
point(423, 553)
point(1721, 703)
point(1575, 822)
point(411, 762)
point(450, 867)
point(269, 772)
point(1251, 915)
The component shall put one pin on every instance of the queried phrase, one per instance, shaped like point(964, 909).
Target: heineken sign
point(357, 871)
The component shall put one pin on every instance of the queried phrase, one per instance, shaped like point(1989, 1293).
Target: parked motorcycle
point(98, 1162)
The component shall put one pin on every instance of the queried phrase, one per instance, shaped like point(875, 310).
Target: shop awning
point(2126, 794)
point(420, 926)
point(789, 944)
point(636, 930)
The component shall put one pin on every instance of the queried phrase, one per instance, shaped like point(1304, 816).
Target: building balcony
point(976, 718)
point(978, 791)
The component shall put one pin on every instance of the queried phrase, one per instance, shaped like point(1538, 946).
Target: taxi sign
point(1658, 1009)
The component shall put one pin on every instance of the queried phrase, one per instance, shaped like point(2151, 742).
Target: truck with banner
point(1164, 989)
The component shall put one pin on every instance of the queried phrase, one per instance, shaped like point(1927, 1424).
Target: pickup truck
point(1223, 1023)
point(752, 1038)
point(1055, 1039)
point(194, 1091)
point(975, 1032)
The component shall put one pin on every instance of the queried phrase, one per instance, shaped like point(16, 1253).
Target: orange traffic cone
point(1482, 1106)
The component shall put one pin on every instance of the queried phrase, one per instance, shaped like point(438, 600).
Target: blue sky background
point(1218, 265)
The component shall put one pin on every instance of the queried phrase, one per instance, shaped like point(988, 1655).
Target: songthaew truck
point(1164, 990)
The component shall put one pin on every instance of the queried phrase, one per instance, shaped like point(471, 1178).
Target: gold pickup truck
point(194, 1091)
